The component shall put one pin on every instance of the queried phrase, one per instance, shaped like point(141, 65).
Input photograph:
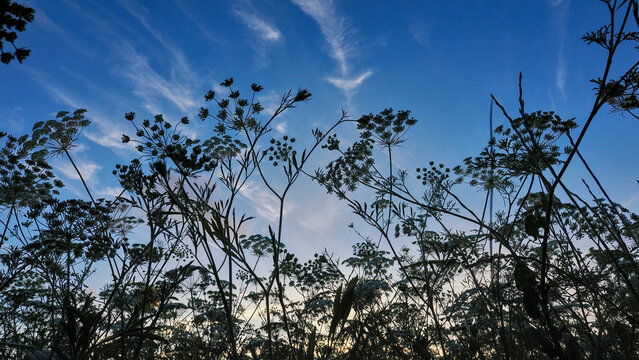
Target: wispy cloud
point(265, 34)
point(421, 34)
point(333, 28)
point(61, 95)
point(195, 20)
point(264, 202)
point(281, 127)
point(560, 10)
point(348, 85)
point(270, 100)
point(109, 191)
point(333, 211)
point(14, 120)
point(337, 34)
point(631, 201)
point(156, 71)
point(105, 132)
point(560, 73)
point(552, 101)
point(140, 13)
point(87, 169)
point(262, 29)
point(45, 21)
point(149, 84)
point(73, 43)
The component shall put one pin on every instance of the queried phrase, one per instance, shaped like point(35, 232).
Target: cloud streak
point(108, 134)
point(204, 29)
point(348, 85)
point(263, 30)
point(561, 14)
point(105, 133)
point(86, 168)
point(149, 85)
point(421, 34)
point(264, 202)
point(264, 33)
point(281, 127)
point(337, 35)
point(333, 28)
point(560, 73)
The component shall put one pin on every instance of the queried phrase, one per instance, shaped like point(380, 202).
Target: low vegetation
point(551, 273)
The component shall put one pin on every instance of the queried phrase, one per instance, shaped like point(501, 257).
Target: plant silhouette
point(185, 275)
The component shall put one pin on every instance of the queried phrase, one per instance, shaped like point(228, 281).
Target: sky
point(439, 59)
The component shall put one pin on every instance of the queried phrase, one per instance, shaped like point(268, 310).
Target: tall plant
point(562, 282)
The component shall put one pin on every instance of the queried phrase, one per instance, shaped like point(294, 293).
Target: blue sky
point(440, 59)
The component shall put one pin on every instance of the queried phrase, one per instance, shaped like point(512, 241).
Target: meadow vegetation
point(553, 273)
